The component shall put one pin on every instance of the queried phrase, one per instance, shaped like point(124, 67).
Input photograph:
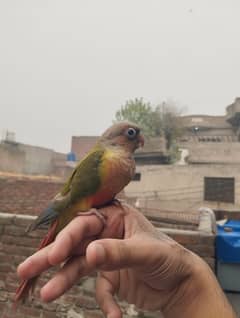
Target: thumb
point(114, 254)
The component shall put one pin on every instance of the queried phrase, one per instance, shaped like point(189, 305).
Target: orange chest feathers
point(116, 171)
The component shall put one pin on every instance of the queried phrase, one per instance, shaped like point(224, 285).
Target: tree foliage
point(168, 119)
point(139, 112)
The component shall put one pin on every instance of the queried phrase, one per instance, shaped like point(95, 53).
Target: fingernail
point(100, 253)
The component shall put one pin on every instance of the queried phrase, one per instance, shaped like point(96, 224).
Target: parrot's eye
point(131, 133)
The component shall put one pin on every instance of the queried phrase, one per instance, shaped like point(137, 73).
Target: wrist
point(199, 295)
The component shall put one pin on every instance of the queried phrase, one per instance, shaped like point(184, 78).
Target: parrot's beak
point(141, 140)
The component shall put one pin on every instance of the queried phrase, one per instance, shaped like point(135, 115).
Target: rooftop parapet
point(233, 112)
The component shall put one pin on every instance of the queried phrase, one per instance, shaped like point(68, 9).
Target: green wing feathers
point(85, 179)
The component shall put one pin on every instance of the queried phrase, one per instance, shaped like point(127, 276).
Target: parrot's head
point(123, 134)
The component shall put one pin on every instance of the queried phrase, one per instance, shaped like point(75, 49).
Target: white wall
point(181, 187)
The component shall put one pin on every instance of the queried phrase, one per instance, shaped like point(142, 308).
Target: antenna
point(3, 134)
point(8, 136)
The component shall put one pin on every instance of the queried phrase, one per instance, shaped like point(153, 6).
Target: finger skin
point(113, 254)
point(34, 264)
point(62, 248)
point(68, 239)
point(73, 239)
point(65, 278)
point(158, 272)
point(105, 297)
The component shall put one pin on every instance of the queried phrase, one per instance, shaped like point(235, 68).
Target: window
point(137, 176)
point(219, 189)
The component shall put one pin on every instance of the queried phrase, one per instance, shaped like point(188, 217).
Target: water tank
point(71, 157)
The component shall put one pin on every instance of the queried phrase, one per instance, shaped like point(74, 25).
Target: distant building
point(212, 139)
point(204, 128)
point(154, 151)
point(211, 174)
point(82, 144)
point(25, 159)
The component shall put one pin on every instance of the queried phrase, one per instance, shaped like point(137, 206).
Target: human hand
point(134, 260)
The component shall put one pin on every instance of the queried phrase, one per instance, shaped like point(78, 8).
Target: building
point(25, 159)
point(153, 153)
point(209, 175)
point(204, 128)
point(82, 144)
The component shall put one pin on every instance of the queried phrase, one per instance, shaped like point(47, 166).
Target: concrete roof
point(211, 122)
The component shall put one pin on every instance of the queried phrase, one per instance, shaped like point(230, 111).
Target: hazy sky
point(67, 66)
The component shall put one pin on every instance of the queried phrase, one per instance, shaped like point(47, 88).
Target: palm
point(160, 271)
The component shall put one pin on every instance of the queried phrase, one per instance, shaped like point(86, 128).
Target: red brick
point(17, 250)
point(93, 314)
point(20, 241)
point(22, 222)
point(49, 307)
point(85, 302)
point(5, 311)
point(48, 314)
point(3, 297)
point(207, 239)
point(186, 239)
point(202, 250)
point(5, 258)
point(12, 277)
point(5, 219)
point(11, 286)
point(5, 267)
point(31, 196)
point(29, 311)
point(14, 230)
point(2, 276)
point(39, 234)
point(211, 262)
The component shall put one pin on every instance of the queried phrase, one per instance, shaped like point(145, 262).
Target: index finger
point(57, 252)
point(72, 235)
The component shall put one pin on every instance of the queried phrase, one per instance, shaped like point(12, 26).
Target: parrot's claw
point(98, 214)
point(117, 203)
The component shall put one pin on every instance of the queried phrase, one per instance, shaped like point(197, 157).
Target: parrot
point(106, 169)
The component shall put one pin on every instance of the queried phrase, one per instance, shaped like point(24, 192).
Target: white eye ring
point(131, 133)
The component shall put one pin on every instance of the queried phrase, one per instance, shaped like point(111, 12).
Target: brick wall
point(15, 246)
point(25, 195)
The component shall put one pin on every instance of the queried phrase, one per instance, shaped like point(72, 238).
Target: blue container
point(71, 156)
point(228, 242)
point(228, 255)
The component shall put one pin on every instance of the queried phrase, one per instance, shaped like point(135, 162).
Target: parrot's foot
point(98, 214)
point(117, 203)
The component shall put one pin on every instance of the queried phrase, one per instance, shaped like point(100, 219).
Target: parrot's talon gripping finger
point(98, 214)
point(118, 203)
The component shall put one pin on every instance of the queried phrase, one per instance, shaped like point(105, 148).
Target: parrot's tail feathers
point(50, 236)
point(48, 216)
point(24, 291)
point(27, 286)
